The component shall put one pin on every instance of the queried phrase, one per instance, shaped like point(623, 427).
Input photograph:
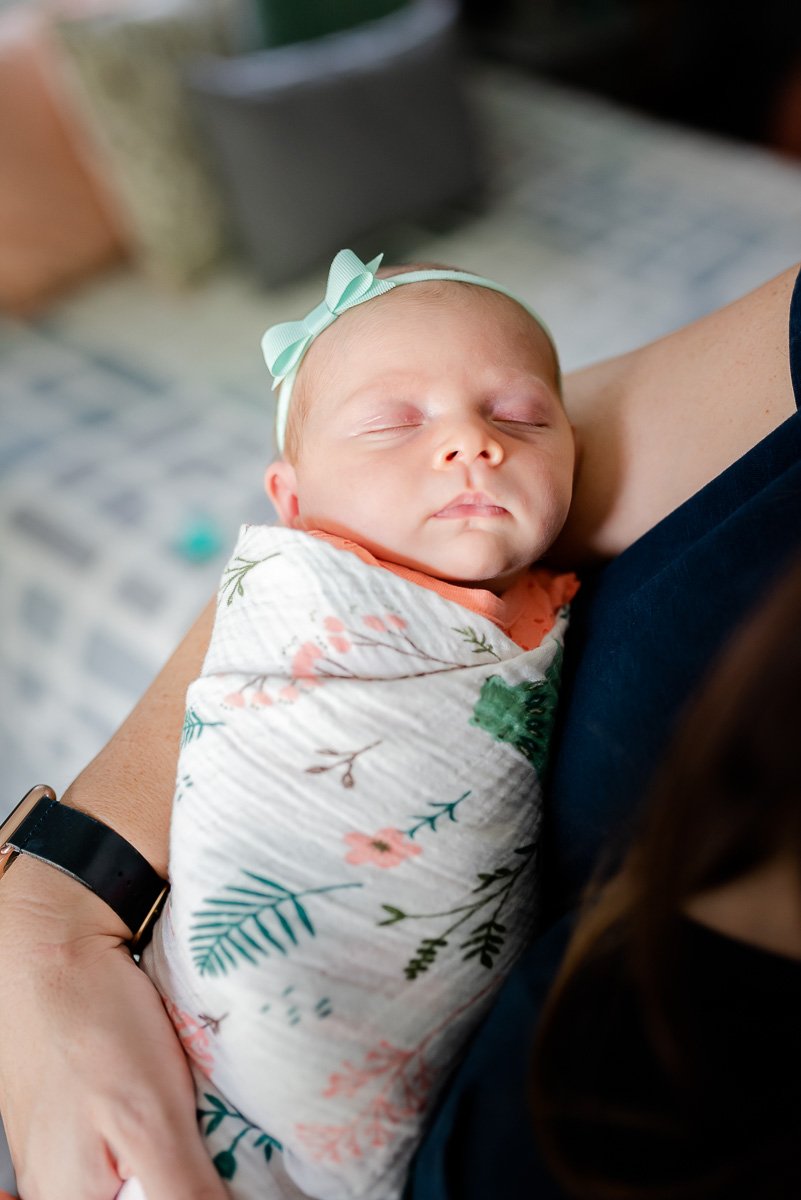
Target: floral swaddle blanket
point(352, 860)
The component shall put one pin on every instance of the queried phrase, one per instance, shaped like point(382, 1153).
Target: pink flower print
point(194, 1036)
point(261, 699)
point(404, 1080)
point(335, 629)
point(234, 699)
point(387, 848)
point(395, 621)
point(375, 623)
point(303, 662)
point(290, 693)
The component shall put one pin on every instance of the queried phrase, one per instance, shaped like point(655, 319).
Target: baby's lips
point(472, 504)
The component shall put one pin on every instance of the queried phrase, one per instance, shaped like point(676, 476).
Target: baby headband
point(350, 283)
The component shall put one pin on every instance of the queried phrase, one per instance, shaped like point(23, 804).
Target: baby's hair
point(299, 409)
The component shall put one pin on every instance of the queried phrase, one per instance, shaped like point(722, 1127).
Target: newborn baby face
point(433, 434)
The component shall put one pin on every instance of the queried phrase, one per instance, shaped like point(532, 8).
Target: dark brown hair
point(727, 800)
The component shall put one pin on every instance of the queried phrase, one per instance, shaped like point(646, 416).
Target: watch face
point(16, 817)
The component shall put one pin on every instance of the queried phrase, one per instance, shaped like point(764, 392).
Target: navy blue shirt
point(644, 630)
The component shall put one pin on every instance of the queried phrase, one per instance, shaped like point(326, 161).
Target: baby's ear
point(281, 485)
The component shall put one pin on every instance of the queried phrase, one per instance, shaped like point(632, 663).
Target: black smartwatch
point(90, 852)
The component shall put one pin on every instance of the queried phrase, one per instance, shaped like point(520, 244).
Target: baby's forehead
point(359, 329)
point(351, 355)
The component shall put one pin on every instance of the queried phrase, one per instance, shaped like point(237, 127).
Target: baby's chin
point(495, 583)
point(490, 577)
point(475, 564)
point(480, 565)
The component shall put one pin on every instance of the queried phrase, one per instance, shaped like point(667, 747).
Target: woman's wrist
point(105, 792)
point(41, 908)
point(90, 852)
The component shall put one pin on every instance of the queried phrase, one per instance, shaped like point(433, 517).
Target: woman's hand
point(94, 1086)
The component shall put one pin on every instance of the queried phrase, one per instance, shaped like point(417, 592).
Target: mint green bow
point(350, 282)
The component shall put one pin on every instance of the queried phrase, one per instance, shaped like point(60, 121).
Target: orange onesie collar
point(526, 612)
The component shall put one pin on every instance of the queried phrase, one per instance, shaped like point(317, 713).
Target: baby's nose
point(467, 445)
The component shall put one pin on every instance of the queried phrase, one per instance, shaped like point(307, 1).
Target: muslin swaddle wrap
point(352, 859)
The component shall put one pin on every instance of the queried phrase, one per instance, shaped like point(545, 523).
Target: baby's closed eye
point(519, 422)
point(391, 419)
point(523, 411)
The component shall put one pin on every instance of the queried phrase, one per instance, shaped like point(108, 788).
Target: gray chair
point(322, 142)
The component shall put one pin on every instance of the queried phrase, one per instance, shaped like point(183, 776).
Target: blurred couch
point(56, 224)
point(196, 143)
point(126, 64)
point(323, 141)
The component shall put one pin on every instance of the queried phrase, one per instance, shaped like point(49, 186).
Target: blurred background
point(175, 175)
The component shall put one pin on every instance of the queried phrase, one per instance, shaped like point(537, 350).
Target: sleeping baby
point(354, 831)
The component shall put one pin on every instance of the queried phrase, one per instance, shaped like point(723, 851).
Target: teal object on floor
point(200, 540)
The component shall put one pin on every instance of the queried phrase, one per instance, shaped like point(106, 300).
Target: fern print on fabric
point(194, 726)
point(485, 940)
point(441, 810)
point(249, 921)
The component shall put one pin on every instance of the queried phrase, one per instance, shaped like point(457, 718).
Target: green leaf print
point(521, 714)
point(395, 915)
point(478, 642)
point(424, 957)
point(485, 941)
point(225, 1160)
point(251, 921)
point(234, 576)
point(194, 726)
point(441, 809)
point(225, 1163)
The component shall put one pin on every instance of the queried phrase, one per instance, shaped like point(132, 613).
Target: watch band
point(96, 856)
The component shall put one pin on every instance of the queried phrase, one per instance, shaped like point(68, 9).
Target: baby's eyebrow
point(394, 388)
point(534, 387)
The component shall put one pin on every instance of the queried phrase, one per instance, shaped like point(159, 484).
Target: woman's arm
point(93, 1081)
point(655, 425)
